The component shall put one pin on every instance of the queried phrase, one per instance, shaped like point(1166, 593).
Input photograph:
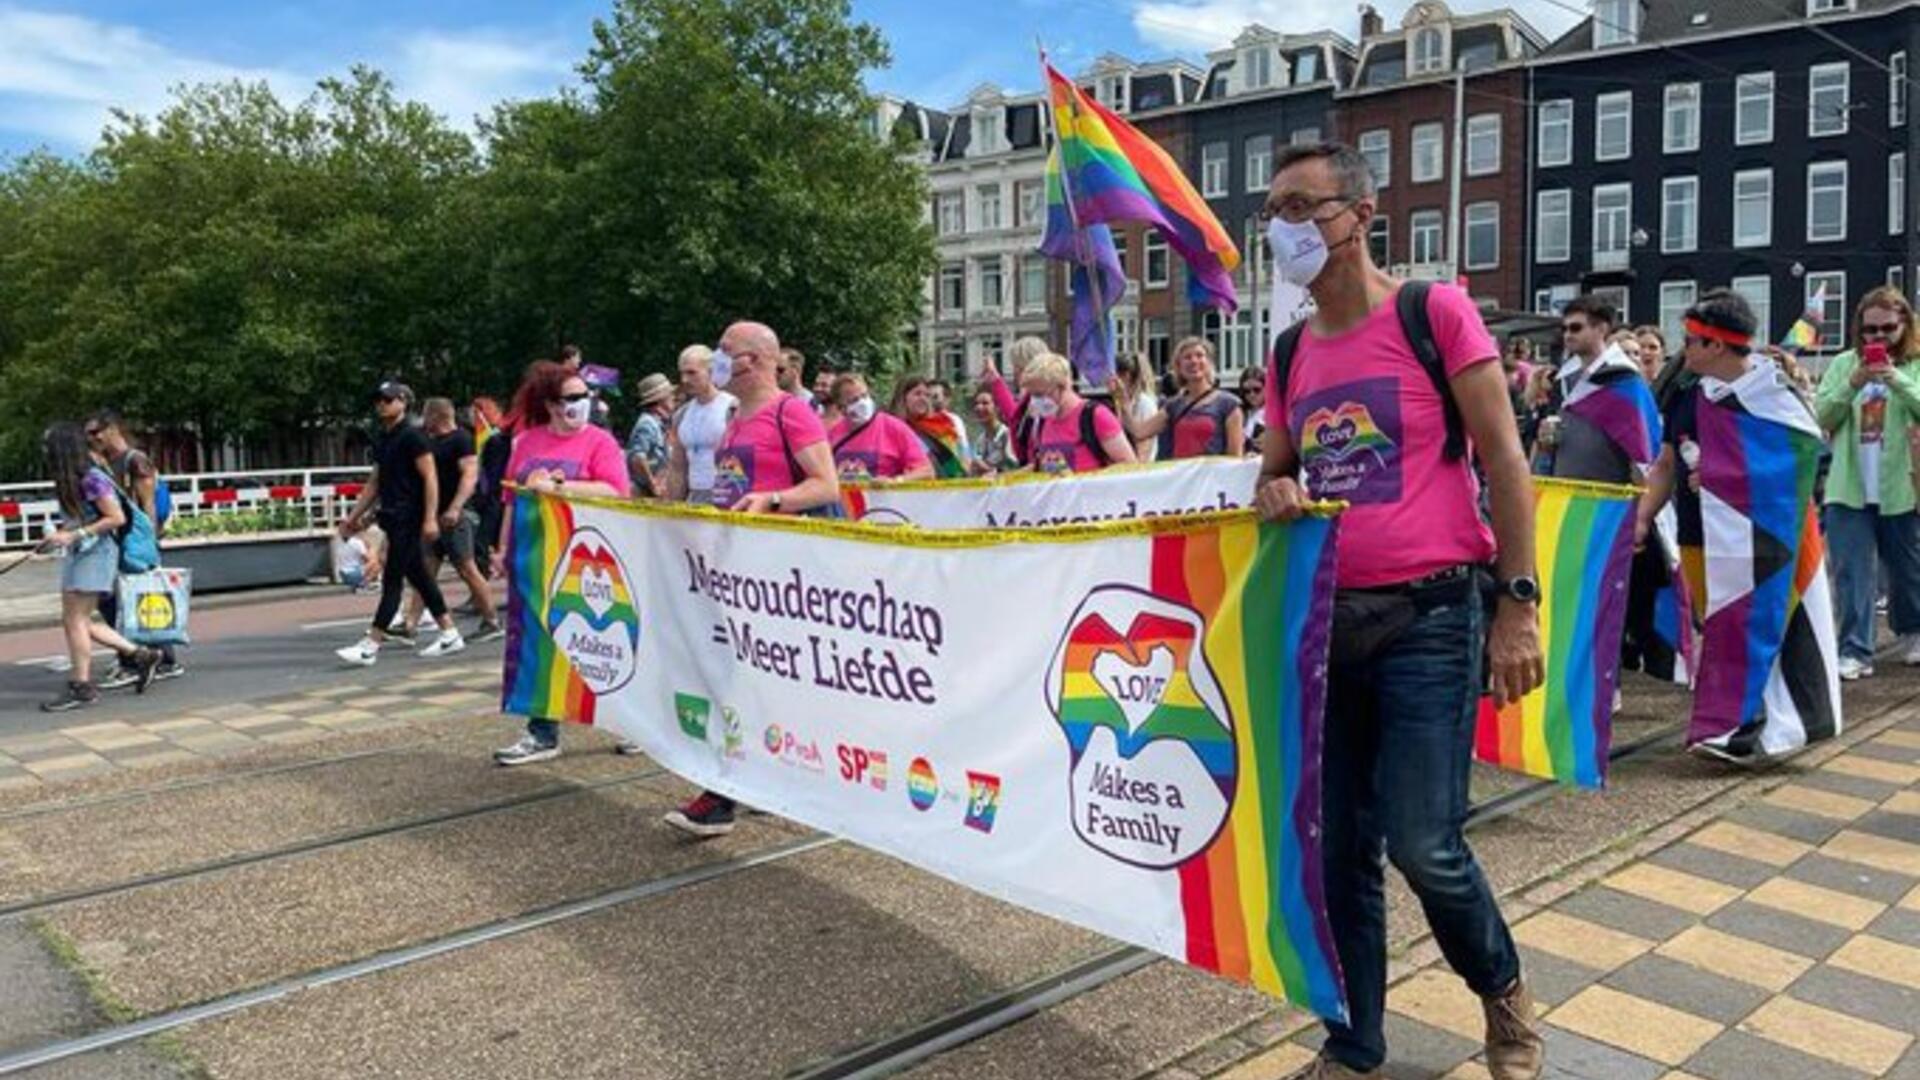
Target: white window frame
point(986, 195)
point(1258, 65)
point(1827, 169)
point(1750, 85)
point(1688, 107)
point(1828, 7)
point(1215, 168)
point(1601, 193)
point(1616, 22)
point(1031, 200)
point(1382, 223)
point(1814, 75)
point(1259, 167)
point(1478, 131)
point(989, 131)
point(998, 265)
point(1156, 248)
point(1564, 211)
point(1617, 297)
point(1836, 311)
point(1305, 136)
point(950, 210)
point(1897, 89)
point(1033, 299)
point(952, 274)
point(1557, 113)
point(1417, 64)
point(1897, 277)
point(1438, 133)
point(1673, 307)
point(1489, 213)
point(1600, 107)
point(1670, 243)
point(1378, 143)
point(1427, 221)
point(1757, 290)
point(1896, 193)
point(1766, 239)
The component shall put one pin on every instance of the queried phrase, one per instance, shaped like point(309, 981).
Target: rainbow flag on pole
point(1583, 537)
point(1804, 334)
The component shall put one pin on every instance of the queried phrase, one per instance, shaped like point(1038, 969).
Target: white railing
point(28, 512)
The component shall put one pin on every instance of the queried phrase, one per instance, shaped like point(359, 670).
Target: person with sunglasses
point(406, 488)
point(1868, 402)
point(556, 448)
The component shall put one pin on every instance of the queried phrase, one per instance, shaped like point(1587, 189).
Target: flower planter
point(251, 561)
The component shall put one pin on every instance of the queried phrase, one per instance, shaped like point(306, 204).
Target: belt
point(1458, 574)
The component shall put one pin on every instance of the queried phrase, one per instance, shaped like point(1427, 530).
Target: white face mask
point(860, 411)
point(721, 367)
point(1044, 407)
point(577, 413)
point(1299, 251)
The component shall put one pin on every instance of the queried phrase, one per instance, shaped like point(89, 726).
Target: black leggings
point(406, 564)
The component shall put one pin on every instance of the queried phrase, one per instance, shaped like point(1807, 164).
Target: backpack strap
point(1417, 325)
point(1022, 431)
point(794, 473)
point(1089, 433)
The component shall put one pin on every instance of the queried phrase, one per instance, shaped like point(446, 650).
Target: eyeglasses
point(1299, 209)
point(571, 398)
point(1882, 329)
point(1573, 328)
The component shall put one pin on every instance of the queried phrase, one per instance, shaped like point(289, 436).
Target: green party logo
point(692, 711)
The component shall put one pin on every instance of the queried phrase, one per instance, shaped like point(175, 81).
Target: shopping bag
point(154, 605)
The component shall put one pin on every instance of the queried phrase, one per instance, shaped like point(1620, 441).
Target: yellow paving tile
point(1886, 960)
point(184, 723)
point(296, 736)
point(1673, 888)
point(1580, 941)
point(10, 783)
point(1678, 1075)
point(54, 768)
point(1472, 1070)
point(1887, 772)
point(1275, 1064)
point(87, 731)
point(1440, 999)
point(1905, 740)
point(104, 743)
point(1643, 1027)
point(152, 761)
point(255, 720)
point(1748, 843)
point(1827, 804)
point(1824, 1033)
point(1875, 851)
point(381, 701)
point(1912, 900)
point(1814, 902)
point(1736, 958)
point(338, 717)
point(1906, 802)
point(460, 697)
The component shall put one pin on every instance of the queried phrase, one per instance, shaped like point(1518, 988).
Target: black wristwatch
point(1524, 589)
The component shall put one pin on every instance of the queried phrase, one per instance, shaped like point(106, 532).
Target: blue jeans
point(1864, 543)
point(1399, 743)
point(547, 731)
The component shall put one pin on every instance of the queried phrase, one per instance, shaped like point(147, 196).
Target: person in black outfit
point(406, 488)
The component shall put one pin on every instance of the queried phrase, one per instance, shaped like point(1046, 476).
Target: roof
point(1480, 40)
point(1673, 20)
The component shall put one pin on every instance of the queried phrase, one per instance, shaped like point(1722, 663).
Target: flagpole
point(1073, 218)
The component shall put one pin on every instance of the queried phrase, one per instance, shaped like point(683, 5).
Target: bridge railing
point(28, 512)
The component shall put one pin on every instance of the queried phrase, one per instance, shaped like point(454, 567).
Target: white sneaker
point(525, 752)
point(1911, 657)
point(1851, 669)
point(629, 748)
point(363, 654)
point(448, 643)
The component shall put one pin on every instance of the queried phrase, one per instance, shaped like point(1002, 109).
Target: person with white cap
point(647, 443)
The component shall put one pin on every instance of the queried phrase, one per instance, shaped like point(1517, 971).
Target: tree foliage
point(238, 266)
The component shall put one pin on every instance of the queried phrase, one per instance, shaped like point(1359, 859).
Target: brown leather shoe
point(1325, 1068)
point(1515, 1050)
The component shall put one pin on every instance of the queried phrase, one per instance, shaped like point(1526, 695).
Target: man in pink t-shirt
point(1360, 419)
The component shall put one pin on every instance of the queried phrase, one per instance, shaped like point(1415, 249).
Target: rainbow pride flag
point(1583, 537)
point(537, 679)
point(942, 438)
point(1615, 398)
point(1255, 903)
point(1804, 334)
point(1105, 171)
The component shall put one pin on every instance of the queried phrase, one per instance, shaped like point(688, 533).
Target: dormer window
point(1429, 51)
point(1828, 7)
point(1306, 67)
point(1258, 64)
point(1617, 22)
point(989, 131)
point(1113, 92)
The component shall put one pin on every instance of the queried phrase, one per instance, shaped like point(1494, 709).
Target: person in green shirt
point(1867, 410)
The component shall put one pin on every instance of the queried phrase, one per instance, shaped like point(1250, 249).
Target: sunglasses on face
point(1881, 329)
point(571, 398)
point(1573, 328)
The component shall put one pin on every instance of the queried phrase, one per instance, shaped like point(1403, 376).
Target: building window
point(1679, 214)
point(1553, 227)
point(1483, 144)
point(989, 203)
point(1753, 108)
point(1834, 315)
point(1617, 297)
point(1380, 240)
point(1126, 335)
point(1826, 201)
point(1259, 162)
point(1897, 89)
point(1613, 126)
point(1158, 271)
point(953, 289)
point(989, 131)
point(1682, 129)
point(1213, 170)
point(1305, 136)
point(1033, 202)
point(1428, 163)
point(1757, 291)
point(1120, 253)
point(1377, 147)
point(952, 362)
point(1429, 51)
point(1033, 283)
point(1612, 226)
point(1259, 67)
point(1428, 237)
point(1306, 67)
point(1753, 208)
point(953, 214)
point(1483, 236)
point(1616, 22)
point(1897, 277)
point(1157, 345)
point(1113, 93)
point(1675, 298)
point(1556, 132)
point(1827, 98)
point(1896, 194)
point(1828, 7)
point(991, 349)
point(992, 296)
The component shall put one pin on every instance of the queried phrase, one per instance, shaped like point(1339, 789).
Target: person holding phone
point(1867, 402)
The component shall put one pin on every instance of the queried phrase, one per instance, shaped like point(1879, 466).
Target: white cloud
point(1194, 26)
point(464, 75)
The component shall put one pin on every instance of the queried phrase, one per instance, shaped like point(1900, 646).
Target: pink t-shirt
point(1370, 428)
point(589, 454)
point(1058, 447)
point(752, 456)
point(882, 449)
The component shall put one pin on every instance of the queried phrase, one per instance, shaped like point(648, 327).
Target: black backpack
point(1411, 305)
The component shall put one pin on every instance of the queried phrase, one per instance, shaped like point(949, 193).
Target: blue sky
point(64, 64)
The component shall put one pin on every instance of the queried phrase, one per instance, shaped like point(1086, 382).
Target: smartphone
point(1875, 354)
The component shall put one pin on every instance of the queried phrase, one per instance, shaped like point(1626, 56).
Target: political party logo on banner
point(923, 787)
point(983, 800)
point(792, 749)
point(1150, 732)
point(590, 613)
point(860, 765)
point(733, 739)
point(692, 712)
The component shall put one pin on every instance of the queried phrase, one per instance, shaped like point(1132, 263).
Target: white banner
point(1029, 500)
point(1115, 726)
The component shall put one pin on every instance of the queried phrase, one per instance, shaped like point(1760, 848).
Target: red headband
point(1714, 333)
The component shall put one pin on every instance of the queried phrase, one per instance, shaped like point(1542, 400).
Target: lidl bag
point(154, 606)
